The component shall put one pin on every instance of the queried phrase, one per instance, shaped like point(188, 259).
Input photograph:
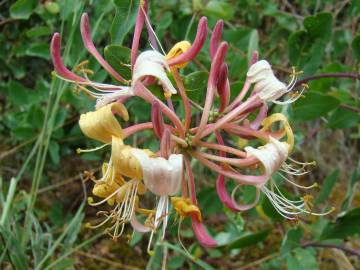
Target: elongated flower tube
point(104, 93)
point(86, 36)
point(267, 86)
point(140, 18)
point(195, 47)
point(213, 76)
point(157, 119)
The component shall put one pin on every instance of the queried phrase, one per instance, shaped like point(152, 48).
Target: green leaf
point(23, 132)
point(15, 250)
point(119, 56)
point(22, 9)
point(350, 189)
point(39, 31)
point(301, 259)
point(355, 45)
point(345, 226)
point(319, 25)
point(219, 10)
point(41, 50)
point(54, 149)
point(298, 45)
point(327, 187)
point(248, 239)
point(18, 94)
point(342, 118)
point(291, 240)
point(195, 85)
point(253, 44)
point(313, 106)
point(124, 20)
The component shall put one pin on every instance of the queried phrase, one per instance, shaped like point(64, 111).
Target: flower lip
point(152, 63)
point(272, 155)
point(161, 176)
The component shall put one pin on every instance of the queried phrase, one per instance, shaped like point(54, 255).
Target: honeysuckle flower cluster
point(167, 174)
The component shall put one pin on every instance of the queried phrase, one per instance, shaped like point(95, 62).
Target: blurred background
point(43, 195)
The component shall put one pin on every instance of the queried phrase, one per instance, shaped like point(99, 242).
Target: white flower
point(267, 86)
point(153, 63)
point(163, 178)
point(273, 156)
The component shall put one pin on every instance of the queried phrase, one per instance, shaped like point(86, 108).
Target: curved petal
point(201, 234)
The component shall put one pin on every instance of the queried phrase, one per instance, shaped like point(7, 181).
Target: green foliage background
point(43, 200)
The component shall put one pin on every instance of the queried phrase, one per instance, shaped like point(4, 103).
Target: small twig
point(351, 108)
point(260, 261)
point(350, 75)
point(115, 264)
point(344, 248)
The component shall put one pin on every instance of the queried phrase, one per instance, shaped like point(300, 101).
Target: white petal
point(272, 155)
point(161, 176)
point(152, 63)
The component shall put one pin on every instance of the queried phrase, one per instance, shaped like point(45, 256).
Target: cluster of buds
point(131, 172)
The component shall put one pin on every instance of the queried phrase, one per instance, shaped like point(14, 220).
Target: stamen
point(79, 150)
point(152, 30)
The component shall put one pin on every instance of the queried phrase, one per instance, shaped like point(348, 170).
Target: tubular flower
point(132, 172)
point(273, 156)
point(267, 86)
point(112, 187)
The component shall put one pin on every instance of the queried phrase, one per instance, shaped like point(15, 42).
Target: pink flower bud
point(86, 36)
point(216, 37)
point(196, 46)
point(58, 64)
point(223, 87)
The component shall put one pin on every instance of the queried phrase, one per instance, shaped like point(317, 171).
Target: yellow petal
point(124, 161)
point(178, 49)
point(102, 124)
point(278, 117)
point(111, 175)
point(185, 208)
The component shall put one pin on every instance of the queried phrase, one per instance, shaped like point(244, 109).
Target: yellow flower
point(176, 50)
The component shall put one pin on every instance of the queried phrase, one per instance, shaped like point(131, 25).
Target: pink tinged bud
point(140, 18)
point(196, 46)
point(229, 201)
point(86, 36)
point(165, 143)
point(157, 119)
point(58, 64)
point(201, 234)
point(213, 78)
point(223, 87)
point(254, 58)
point(217, 64)
point(216, 37)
